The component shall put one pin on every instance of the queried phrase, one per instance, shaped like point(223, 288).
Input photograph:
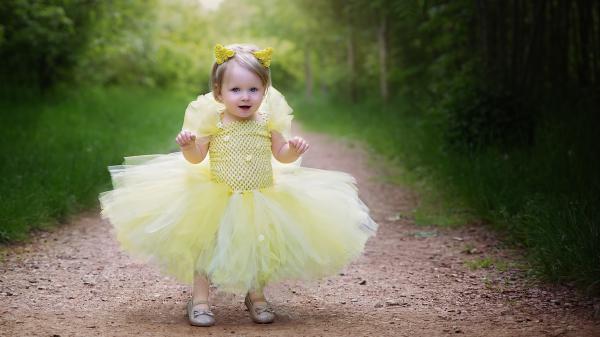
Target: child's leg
point(258, 308)
point(257, 295)
point(200, 290)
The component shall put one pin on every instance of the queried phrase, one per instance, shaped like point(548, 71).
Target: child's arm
point(287, 151)
point(194, 149)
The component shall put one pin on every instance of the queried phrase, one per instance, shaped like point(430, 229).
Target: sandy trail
point(411, 281)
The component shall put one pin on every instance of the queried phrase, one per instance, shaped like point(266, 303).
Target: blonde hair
point(243, 56)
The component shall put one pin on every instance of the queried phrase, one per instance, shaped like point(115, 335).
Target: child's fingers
point(304, 148)
point(182, 140)
point(298, 141)
point(299, 145)
point(189, 135)
point(185, 138)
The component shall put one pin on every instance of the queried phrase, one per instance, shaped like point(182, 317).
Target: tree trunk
point(596, 25)
point(483, 30)
point(535, 45)
point(501, 43)
point(596, 29)
point(585, 17)
point(308, 74)
point(351, 49)
point(517, 45)
point(382, 42)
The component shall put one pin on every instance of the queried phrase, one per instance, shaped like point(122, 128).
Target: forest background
point(489, 109)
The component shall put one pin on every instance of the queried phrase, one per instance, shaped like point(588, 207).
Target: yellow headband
point(264, 56)
point(222, 54)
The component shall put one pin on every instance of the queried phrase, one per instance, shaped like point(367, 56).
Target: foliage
point(42, 40)
point(479, 118)
point(54, 151)
point(120, 47)
point(491, 102)
point(541, 197)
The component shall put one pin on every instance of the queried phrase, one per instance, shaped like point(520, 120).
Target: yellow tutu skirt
point(308, 225)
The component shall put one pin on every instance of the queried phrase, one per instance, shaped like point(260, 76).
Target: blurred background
point(489, 109)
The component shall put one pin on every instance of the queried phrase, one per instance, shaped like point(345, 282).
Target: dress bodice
point(240, 155)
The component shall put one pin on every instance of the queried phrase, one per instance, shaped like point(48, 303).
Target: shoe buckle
point(261, 309)
point(197, 313)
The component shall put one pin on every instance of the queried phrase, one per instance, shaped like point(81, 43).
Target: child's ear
point(217, 94)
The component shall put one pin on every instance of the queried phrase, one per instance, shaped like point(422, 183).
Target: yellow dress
point(239, 216)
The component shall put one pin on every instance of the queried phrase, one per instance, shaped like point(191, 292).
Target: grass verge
point(55, 149)
point(542, 196)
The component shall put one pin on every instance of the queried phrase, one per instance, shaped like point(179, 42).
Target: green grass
point(55, 149)
point(399, 133)
point(544, 198)
point(482, 263)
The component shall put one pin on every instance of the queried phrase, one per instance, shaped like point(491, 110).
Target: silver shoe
point(199, 317)
point(259, 313)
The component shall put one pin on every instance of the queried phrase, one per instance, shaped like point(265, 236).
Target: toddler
point(234, 207)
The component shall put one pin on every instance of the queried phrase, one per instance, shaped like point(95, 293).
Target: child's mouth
point(245, 107)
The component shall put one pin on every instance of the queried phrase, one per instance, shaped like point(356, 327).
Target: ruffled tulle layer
point(310, 224)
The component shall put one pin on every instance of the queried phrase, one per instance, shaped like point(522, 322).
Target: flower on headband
point(264, 56)
point(222, 54)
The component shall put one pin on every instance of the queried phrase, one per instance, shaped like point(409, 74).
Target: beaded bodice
point(240, 155)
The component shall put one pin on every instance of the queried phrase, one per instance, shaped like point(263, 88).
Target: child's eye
point(235, 89)
point(253, 89)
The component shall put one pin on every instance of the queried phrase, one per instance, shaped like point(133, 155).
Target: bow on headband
point(222, 54)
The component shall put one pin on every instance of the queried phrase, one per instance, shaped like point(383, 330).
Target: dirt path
point(411, 281)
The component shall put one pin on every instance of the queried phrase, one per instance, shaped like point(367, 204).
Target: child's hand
point(299, 145)
point(185, 138)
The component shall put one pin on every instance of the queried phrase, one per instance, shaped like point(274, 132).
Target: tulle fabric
point(202, 114)
point(309, 224)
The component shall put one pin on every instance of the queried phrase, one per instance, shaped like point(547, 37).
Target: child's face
point(241, 91)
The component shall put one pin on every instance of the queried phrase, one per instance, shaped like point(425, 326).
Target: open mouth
point(245, 107)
